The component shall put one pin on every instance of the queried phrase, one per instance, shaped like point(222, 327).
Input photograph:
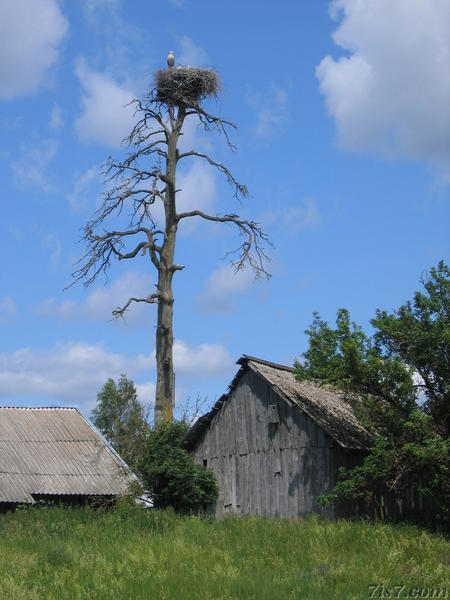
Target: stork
point(171, 59)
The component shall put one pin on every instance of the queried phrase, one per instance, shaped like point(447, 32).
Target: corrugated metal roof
point(55, 451)
point(330, 409)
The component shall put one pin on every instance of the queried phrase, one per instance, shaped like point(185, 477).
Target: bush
point(170, 473)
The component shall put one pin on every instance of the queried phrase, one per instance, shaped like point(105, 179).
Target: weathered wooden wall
point(263, 467)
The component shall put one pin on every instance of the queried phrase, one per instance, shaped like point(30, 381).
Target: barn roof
point(330, 409)
point(55, 451)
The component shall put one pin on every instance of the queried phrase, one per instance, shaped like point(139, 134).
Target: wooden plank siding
point(263, 467)
point(275, 444)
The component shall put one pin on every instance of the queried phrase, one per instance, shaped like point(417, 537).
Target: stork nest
point(186, 86)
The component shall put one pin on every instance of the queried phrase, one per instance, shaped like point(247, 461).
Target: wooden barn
point(55, 454)
point(274, 443)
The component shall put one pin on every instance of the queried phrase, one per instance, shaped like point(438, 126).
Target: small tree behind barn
point(146, 178)
point(122, 419)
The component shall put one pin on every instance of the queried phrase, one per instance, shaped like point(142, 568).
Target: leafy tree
point(142, 190)
point(167, 471)
point(347, 358)
point(122, 419)
point(170, 472)
point(418, 333)
point(410, 444)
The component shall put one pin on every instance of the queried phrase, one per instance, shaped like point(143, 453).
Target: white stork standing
point(171, 59)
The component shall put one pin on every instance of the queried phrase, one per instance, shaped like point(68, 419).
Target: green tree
point(122, 419)
point(418, 333)
point(348, 359)
point(410, 444)
point(170, 473)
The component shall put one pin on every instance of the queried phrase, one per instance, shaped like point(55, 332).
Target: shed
point(54, 453)
point(274, 443)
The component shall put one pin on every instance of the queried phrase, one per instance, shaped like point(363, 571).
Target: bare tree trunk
point(165, 380)
point(134, 185)
point(164, 348)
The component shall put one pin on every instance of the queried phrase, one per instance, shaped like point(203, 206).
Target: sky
point(343, 141)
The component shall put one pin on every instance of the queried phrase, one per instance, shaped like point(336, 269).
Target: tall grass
point(130, 553)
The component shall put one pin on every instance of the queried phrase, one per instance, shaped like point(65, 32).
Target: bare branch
point(101, 248)
point(213, 123)
point(145, 176)
point(111, 238)
point(129, 188)
point(120, 312)
point(251, 251)
point(114, 170)
point(145, 150)
point(240, 190)
point(149, 114)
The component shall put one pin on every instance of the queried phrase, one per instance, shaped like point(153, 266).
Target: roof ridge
point(247, 357)
point(332, 410)
point(38, 407)
point(24, 474)
point(49, 441)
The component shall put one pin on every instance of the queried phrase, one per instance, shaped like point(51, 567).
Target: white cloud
point(197, 190)
point(206, 359)
point(222, 288)
point(32, 168)
point(84, 188)
point(146, 392)
point(74, 372)
point(271, 110)
point(30, 38)
point(91, 7)
point(304, 216)
point(292, 219)
point(56, 120)
point(177, 3)
point(190, 53)
point(391, 92)
point(7, 309)
point(101, 301)
point(53, 244)
point(193, 137)
point(71, 372)
point(106, 118)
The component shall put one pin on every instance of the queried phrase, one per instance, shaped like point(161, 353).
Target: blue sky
point(343, 142)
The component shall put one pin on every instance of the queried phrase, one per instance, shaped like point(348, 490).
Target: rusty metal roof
point(329, 408)
point(55, 451)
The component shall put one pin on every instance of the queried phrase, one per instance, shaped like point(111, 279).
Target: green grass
point(58, 553)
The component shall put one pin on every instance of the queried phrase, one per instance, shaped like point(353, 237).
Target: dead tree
point(146, 177)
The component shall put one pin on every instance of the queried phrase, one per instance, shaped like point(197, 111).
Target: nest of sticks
point(186, 86)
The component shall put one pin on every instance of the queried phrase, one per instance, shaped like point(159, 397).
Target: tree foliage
point(168, 472)
point(392, 371)
point(347, 358)
point(122, 419)
point(171, 474)
point(419, 334)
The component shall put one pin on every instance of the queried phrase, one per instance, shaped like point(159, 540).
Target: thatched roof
point(330, 409)
point(55, 451)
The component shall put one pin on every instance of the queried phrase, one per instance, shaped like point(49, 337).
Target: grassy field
point(57, 553)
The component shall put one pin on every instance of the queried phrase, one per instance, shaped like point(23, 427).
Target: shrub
point(170, 473)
